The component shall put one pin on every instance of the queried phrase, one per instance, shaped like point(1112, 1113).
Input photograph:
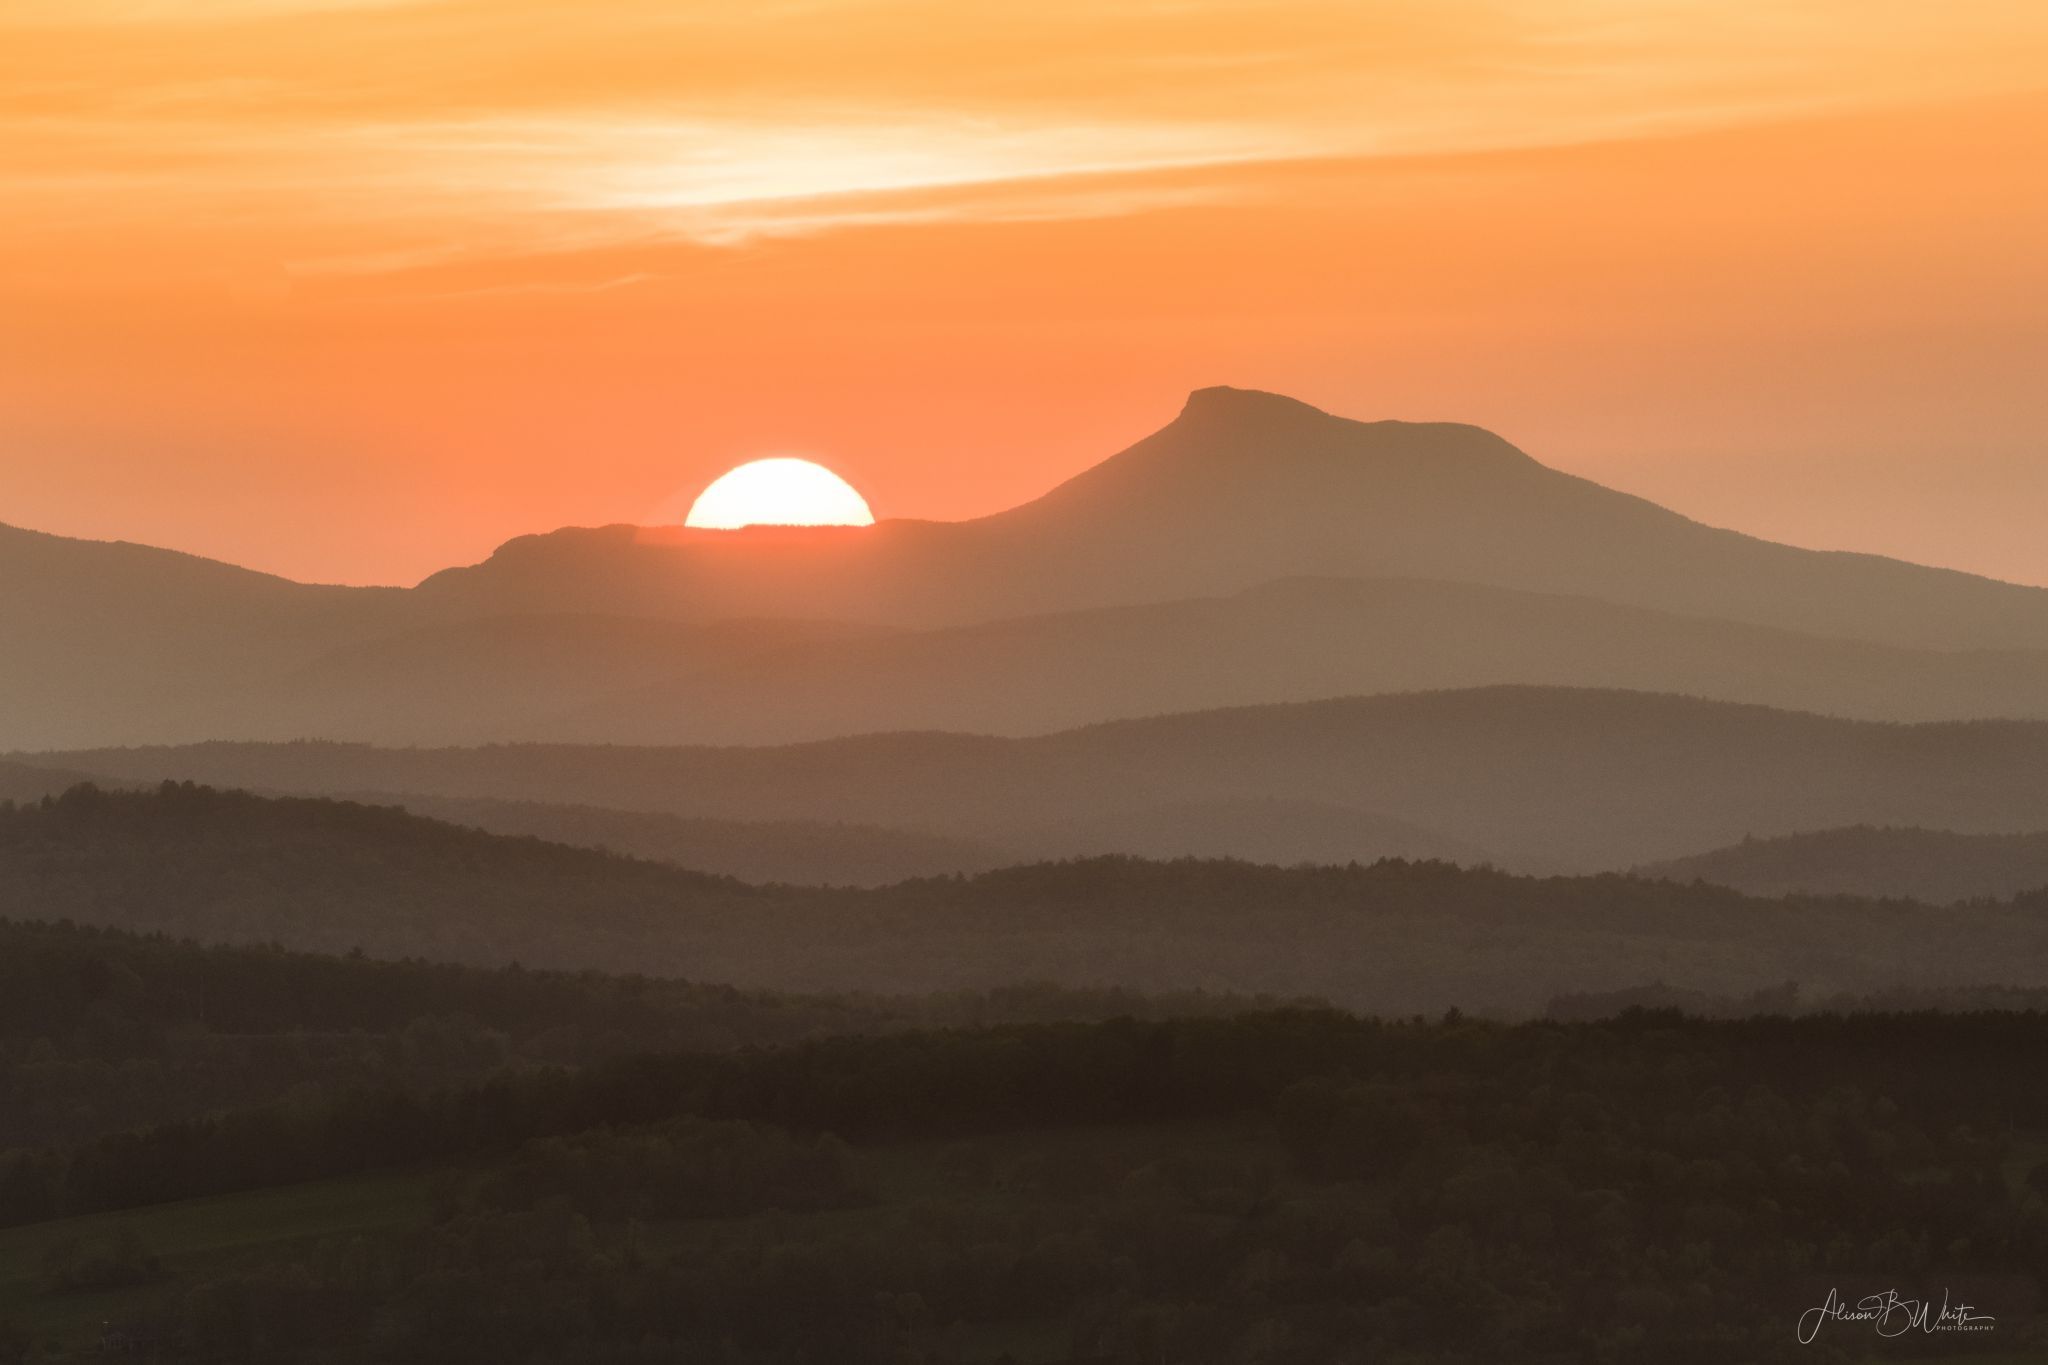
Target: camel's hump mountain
point(1242, 488)
point(1464, 546)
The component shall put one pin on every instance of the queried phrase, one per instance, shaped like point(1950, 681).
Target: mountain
point(1253, 550)
point(1933, 865)
point(494, 676)
point(1240, 489)
point(1396, 937)
point(635, 680)
point(109, 642)
point(1294, 640)
point(1537, 778)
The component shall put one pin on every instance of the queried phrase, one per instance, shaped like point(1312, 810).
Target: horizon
point(679, 525)
point(352, 290)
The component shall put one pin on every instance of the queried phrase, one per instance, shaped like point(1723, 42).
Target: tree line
point(1295, 1188)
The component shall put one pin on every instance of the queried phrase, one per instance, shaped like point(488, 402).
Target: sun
point(778, 492)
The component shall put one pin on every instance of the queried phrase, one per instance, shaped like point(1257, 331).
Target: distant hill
point(1296, 640)
point(30, 782)
point(612, 679)
point(835, 853)
point(1253, 550)
point(116, 642)
point(1280, 831)
point(803, 852)
point(1536, 778)
point(497, 676)
point(1394, 936)
point(1933, 865)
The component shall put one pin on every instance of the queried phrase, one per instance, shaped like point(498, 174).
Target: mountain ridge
point(1195, 508)
point(1936, 866)
point(1394, 936)
point(1541, 779)
point(121, 644)
point(1295, 639)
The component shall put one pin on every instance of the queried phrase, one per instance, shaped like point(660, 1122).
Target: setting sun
point(779, 492)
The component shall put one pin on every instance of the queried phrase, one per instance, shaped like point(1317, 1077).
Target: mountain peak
point(1220, 403)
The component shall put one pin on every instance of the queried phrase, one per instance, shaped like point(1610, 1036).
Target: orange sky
point(355, 289)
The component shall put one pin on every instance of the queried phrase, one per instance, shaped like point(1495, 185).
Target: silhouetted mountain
point(1538, 778)
point(111, 642)
point(1141, 582)
point(1240, 489)
point(1394, 936)
point(1932, 865)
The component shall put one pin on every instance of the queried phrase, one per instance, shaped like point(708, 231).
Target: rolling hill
point(30, 782)
point(1540, 779)
point(801, 852)
point(1294, 640)
point(1933, 865)
point(1397, 937)
point(836, 853)
point(493, 677)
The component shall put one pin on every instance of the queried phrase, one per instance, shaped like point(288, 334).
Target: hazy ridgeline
point(1394, 937)
point(1218, 643)
point(1934, 865)
point(1539, 779)
point(1253, 550)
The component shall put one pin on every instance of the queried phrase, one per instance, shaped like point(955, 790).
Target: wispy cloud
point(353, 131)
point(188, 13)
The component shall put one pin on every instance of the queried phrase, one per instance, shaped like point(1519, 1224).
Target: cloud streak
point(329, 134)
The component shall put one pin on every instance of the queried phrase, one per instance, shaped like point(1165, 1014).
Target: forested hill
point(103, 1029)
point(1192, 1191)
point(804, 852)
point(30, 782)
point(1933, 865)
point(1392, 937)
point(339, 875)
